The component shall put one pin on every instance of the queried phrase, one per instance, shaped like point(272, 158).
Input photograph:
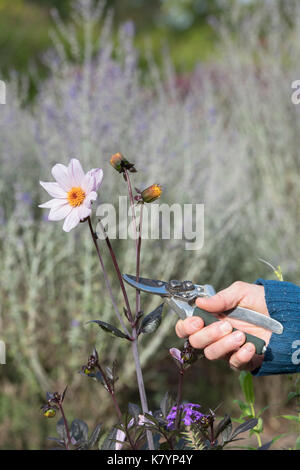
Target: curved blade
point(147, 285)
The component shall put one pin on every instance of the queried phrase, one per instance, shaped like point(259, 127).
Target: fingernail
point(225, 327)
point(238, 336)
point(248, 347)
point(196, 322)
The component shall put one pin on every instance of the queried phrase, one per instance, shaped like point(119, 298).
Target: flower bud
point(49, 413)
point(119, 163)
point(151, 193)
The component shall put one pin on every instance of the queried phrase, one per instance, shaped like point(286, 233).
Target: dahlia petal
point(61, 174)
point(53, 203)
point(54, 190)
point(71, 220)
point(98, 175)
point(88, 183)
point(76, 172)
point(92, 196)
point(60, 212)
point(83, 211)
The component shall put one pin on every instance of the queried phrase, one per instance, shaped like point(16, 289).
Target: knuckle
point(223, 297)
point(193, 342)
point(179, 328)
point(238, 284)
point(209, 353)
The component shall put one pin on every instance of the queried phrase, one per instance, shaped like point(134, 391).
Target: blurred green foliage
point(25, 26)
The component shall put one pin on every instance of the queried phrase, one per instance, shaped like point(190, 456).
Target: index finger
point(224, 300)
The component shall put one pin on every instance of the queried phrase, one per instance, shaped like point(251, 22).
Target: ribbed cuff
point(283, 351)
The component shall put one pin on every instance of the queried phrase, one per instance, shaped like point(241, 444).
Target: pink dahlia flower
point(73, 193)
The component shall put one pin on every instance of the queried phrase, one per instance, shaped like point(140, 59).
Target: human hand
point(217, 340)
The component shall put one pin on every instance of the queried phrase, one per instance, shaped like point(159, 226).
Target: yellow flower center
point(76, 197)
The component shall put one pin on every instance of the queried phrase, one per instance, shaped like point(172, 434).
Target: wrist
point(283, 303)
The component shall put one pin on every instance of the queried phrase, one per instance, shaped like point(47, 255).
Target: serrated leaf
point(246, 382)
point(110, 329)
point(246, 426)
point(79, 430)
point(152, 321)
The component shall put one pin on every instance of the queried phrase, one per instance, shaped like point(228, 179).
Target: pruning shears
point(180, 296)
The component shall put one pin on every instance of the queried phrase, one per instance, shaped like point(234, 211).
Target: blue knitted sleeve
point(283, 352)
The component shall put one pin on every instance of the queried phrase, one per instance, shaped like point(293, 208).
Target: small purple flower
point(189, 415)
point(176, 354)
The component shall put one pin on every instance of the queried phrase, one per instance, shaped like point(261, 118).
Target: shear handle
point(208, 318)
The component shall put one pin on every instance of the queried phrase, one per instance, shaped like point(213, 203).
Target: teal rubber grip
point(208, 318)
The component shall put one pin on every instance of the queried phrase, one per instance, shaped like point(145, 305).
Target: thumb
point(224, 300)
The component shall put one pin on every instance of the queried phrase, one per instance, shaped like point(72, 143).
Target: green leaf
point(292, 395)
point(246, 382)
point(110, 329)
point(297, 446)
point(152, 321)
point(262, 410)
point(292, 418)
point(259, 427)
point(244, 407)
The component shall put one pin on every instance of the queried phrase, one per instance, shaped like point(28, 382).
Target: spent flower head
point(73, 193)
point(119, 163)
point(149, 194)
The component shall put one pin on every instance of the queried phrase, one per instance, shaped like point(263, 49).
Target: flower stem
point(139, 375)
point(134, 336)
point(141, 385)
point(107, 283)
point(256, 433)
point(68, 443)
point(179, 397)
point(113, 397)
point(120, 278)
point(138, 262)
point(132, 205)
point(110, 391)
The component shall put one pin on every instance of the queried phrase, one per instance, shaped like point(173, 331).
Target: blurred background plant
point(221, 131)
